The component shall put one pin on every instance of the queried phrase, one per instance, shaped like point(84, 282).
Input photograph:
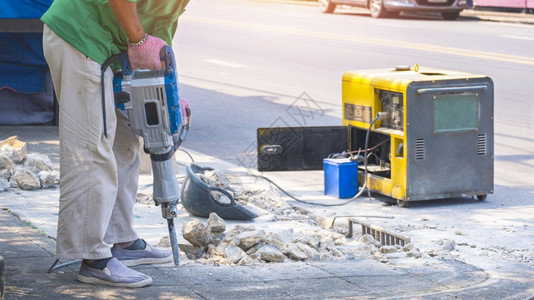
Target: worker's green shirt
point(91, 27)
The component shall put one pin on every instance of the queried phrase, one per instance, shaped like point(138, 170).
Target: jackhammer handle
point(167, 56)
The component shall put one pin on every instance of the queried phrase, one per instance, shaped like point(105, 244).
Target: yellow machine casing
point(437, 139)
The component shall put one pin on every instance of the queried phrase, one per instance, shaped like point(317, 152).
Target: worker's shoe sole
point(114, 274)
point(149, 255)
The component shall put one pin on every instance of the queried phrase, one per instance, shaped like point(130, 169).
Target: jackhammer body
point(151, 100)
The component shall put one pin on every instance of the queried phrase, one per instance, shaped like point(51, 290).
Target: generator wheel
point(326, 6)
point(402, 203)
point(481, 197)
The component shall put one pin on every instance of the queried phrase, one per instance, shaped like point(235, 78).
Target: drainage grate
point(419, 149)
point(481, 144)
point(384, 236)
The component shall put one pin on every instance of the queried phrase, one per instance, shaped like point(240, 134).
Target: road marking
point(524, 60)
point(225, 63)
point(517, 37)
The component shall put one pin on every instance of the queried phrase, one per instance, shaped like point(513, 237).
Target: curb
point(483, 15)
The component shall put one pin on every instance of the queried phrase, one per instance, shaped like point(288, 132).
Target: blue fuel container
point(340, 177)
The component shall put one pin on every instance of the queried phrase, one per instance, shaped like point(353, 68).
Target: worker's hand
point(146, 55)
point(187, 114)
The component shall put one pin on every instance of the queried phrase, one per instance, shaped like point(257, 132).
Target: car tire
point(326, 6)
point(376, 7)
point(450, 15)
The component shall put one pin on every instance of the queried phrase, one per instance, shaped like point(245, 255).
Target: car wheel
point(450, 15)
point(326, 6)
point(377, 9)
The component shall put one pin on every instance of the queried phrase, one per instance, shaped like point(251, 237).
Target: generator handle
point(453, 89)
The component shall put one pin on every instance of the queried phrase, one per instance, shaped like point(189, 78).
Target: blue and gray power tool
point(152, 103)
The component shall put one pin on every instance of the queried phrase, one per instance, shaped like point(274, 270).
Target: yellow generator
point(433, 138)
point(436, 137)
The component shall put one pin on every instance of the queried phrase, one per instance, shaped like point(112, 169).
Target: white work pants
point(98, 175)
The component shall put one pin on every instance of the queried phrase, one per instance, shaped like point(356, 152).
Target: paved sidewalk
point(29, 252)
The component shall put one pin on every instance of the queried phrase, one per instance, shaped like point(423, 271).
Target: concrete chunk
point(5, 173)
point(4, 184)
point(26, 179)
point(48, 179)
point(15, 148)
point(215, 223)
point(38, 163)
point(249, 238)
point(196, 233)
point(388, 249)
point(271, 253)
point(294, 252)
point(234, 254)
point(370, 240)
point(6, 160)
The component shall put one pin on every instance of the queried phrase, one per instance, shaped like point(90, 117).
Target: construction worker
point(99, 170)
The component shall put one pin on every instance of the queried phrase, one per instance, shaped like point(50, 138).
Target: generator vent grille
point(482, 144)
point(419, 149)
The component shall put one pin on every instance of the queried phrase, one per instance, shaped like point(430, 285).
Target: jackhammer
point(154, 110)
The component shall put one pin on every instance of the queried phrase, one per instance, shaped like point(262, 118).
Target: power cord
point(379, 116)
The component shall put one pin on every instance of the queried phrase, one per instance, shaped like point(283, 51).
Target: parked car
point(449, 9)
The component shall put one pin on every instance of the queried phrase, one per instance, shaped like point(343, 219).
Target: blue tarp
point(22, 63)
point(23, 9)
point(26, 93)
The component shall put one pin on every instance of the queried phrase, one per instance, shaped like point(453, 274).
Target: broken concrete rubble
point(27, 171)
point(297, 237)
point(250, 245)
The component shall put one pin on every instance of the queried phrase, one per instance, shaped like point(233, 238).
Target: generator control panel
point(392, 104)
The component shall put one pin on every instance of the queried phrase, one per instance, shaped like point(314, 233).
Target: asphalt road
point(245, 64)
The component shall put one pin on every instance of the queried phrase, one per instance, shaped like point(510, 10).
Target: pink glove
point(187, 114)
point(146, 55)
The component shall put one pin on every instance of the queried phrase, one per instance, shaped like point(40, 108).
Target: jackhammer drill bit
point(169, 212)
point(167, 194)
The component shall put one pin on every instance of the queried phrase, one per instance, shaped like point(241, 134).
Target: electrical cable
point(379, 116)
point(188, 154)
point(103, 69)
point(360, 192)
point(357, 152)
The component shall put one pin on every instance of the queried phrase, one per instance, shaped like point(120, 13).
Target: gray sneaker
point(114, 274)
point(149, 255)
